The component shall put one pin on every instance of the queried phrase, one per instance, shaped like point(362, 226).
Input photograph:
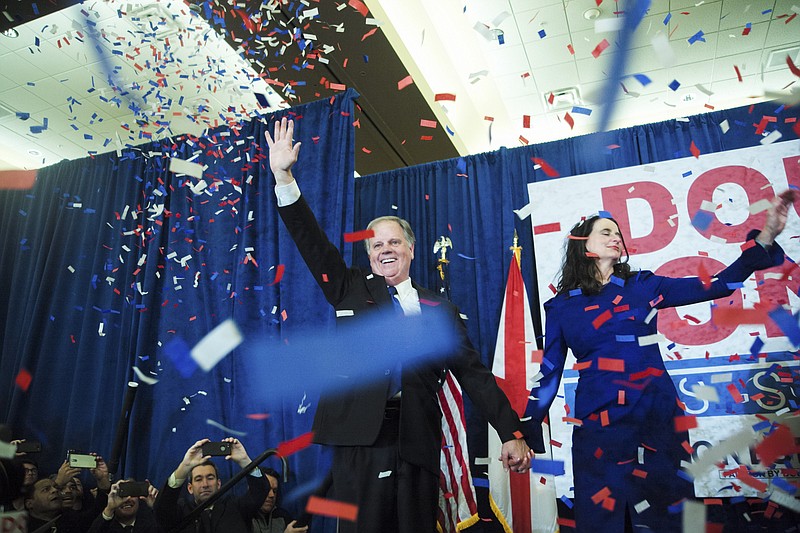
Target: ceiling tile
point(550, 19)
point(549, 51)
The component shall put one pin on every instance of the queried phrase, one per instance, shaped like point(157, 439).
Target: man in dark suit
point(227, 515)
point(386, 443)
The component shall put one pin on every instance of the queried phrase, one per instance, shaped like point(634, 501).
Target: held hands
point(776, 217)
point(282, 153)
point(516, 456)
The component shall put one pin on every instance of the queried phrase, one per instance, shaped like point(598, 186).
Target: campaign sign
point(681, 218)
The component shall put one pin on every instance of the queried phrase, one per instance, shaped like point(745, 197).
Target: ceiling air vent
point(155, 20)
point(777, 58)
point(562, 98)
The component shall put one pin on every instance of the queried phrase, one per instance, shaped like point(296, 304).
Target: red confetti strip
point(600, 320)
point(526, 121)
point(359, 6)
point(405, 82)
point(738, 74)
point(569, 120)
point(792, 66)
point(600, 495)
point(278, 274)
point(547, 228)
point(591, 307)
point(546, 168)
point(523, 141)
point(448, 97)
point(695, 150)
point(582, 366)
point(734, 392)
point(23, 380)
point(518, 434)
point(427, 123)
point(257, 416)
point(359, 235)
point(566, 522)
point(537, 356)
point(571, 49)
point(602, 45)
point(685, 423)
point(17, 179)
point(332, 508)
point(604, 418)
point(621, 397)
point(610, 364)
point(430, 303)
point(777, 444)
point(639, 473)
point(287, 448)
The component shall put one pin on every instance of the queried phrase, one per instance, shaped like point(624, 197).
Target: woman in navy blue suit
point(625, 451)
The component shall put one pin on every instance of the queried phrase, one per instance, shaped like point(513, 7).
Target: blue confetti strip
point(626, 338)
point(687, 174)
point(643, 79)
point(702, 219)
point(575, 292)
point(667, 18)
point(604, 214)
point(697, 37)
point(542, 34)
point(756, 347)
point(546, 466)
point(581, 110)
point(787, 324)
point(674, 85)
point(617, 281)
point(480, 482)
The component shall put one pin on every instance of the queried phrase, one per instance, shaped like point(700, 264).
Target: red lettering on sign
point(618, 201)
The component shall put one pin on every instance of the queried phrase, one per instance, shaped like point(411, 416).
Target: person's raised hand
point(776, 217)
point(283, 152)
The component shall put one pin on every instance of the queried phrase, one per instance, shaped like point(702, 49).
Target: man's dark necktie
point(395, 386)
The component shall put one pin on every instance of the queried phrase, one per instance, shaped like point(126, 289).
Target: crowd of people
point(62, 503)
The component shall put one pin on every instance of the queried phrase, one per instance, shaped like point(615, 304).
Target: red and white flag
point(457, 504)
point(526, 501)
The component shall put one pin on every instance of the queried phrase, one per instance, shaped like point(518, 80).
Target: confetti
point(332, 508)
point(287, 448)
point(218, 343)
point(227, 430)
point(545, 466)
point(547, 228)
point(405, 82)
point(23, 379)
point(359, 235)
point(17, 179)
point(602, 45)
point(143, 378)
point(179, 166)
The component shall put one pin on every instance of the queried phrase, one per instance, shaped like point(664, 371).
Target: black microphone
point(122, 428)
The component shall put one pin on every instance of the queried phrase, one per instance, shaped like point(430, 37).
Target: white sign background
point(655, 205)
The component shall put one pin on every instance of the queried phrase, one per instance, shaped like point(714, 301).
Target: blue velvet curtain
point(113, 262)
point(472, 200)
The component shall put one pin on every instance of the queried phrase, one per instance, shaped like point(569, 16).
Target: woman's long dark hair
point(580, 271)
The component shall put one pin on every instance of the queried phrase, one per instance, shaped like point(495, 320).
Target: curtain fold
point(113, 262)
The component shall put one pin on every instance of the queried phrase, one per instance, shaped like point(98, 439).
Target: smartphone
point(29, 446)
point(133, 488)
point(217, 448)
point(303, 521)
point(81, 460)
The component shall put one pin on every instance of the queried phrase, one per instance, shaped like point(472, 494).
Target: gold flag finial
point(517, 249)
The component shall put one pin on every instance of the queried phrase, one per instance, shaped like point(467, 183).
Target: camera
point(217, 448)
point(81, 460)
point(133, 488)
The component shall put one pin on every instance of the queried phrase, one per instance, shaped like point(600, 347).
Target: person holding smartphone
point(227, 515)
point(124, 511)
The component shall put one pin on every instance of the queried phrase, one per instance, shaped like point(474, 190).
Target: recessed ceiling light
point(35, 153)
point(591, 14)
point(11, 33)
